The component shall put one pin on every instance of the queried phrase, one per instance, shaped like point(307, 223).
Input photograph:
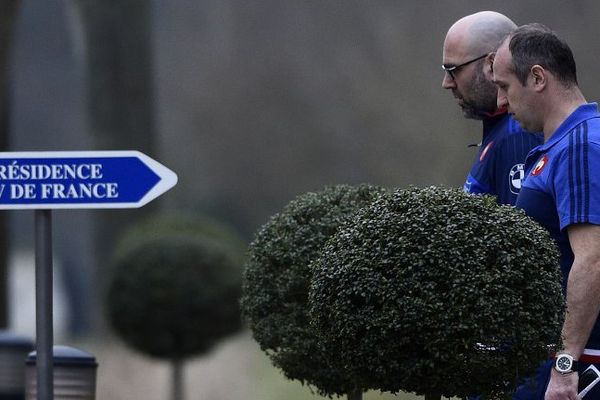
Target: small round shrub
point(175, 287)
point(185, 224)
point(435, 291)
point(277, 278)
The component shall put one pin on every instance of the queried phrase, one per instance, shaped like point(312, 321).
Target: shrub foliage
point(175, 286)
point(277, 278)
point(436, 291)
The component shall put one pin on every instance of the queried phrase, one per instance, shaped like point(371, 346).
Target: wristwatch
point(565, 364)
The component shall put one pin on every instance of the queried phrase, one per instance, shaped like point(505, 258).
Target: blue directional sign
point(81, 179)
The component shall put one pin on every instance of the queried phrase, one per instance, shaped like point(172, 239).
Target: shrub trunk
point(177, 379)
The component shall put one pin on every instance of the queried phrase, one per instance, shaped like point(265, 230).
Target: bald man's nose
point(448, 82)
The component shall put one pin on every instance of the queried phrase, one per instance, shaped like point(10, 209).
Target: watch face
point(564, 363)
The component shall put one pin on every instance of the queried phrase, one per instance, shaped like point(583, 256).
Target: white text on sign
point(59, 191)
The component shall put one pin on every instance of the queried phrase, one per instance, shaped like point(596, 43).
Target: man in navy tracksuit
point(535, 73)
point(468, 55)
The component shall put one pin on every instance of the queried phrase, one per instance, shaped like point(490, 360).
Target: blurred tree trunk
point(120, 96)
point(177, 380)
point(8, 13)
point(355, 395)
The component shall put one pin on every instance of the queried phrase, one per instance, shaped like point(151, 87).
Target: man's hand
point(562, 387)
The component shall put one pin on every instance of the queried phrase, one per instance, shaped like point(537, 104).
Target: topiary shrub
point(175, 287)
point(434, 291)
point(184, 224)
point(277, 277)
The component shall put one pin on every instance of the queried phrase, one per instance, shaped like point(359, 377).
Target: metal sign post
point(43, 181)
point(43, 304)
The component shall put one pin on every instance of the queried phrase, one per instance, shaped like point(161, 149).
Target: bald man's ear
point(488, 63)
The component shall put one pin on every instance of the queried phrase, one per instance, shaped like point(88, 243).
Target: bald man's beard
point(482, 97)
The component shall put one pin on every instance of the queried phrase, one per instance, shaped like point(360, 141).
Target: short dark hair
point(535, 43)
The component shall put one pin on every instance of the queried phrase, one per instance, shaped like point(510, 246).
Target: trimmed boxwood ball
point(277, 278)
point(435, 291)
point(188, 224)
point(175, 287)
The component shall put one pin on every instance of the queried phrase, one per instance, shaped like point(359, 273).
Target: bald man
point(468, 54)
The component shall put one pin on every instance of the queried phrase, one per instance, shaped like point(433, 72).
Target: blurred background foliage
point(251, 102)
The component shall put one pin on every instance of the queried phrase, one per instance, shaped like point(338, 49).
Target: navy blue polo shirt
point(562, 184)
point(498, 168)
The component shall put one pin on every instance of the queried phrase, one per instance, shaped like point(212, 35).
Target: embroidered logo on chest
point(515, 177)
point(539, 167)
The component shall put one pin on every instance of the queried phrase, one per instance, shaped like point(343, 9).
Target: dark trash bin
point(13, 352)
point(74, 374)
